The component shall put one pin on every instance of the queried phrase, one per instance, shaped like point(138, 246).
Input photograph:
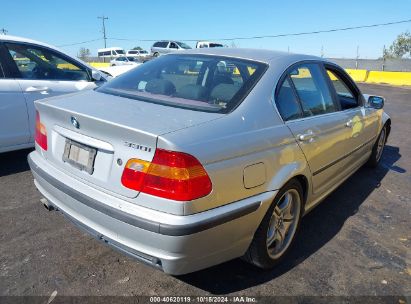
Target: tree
point(138, 48)
point(84, 53)
point(401, 46)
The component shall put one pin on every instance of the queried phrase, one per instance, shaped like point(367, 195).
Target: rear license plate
point(80, 156)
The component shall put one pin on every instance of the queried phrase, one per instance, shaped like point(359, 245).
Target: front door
point(42, 73)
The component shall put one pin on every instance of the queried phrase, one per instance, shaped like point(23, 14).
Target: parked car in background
point(186, 162)
point(208, 44)
point(165, 47)
point(123, 60)
point(138, 53)
point(110, 52)
point(32, 70)
point(116, 70)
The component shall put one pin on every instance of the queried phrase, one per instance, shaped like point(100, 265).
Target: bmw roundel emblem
point(75, 122)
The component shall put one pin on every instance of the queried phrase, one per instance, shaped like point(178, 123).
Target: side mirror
point(96, 75)
point(376, 102)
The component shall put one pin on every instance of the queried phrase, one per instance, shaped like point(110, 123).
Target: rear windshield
point(197, 82)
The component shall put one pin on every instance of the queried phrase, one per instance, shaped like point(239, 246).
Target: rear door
point(42, 72)
point(306, 103)
point(14, 125)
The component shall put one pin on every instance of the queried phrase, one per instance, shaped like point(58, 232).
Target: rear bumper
point(175, 244)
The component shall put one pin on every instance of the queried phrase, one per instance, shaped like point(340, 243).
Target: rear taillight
point(41, 133)
point(173, 175)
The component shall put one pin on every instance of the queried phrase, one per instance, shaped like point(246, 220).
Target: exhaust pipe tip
point(47, 205)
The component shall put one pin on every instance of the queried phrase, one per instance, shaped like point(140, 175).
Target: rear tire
point(276, 233)
point(156, 54)
point(378, 149)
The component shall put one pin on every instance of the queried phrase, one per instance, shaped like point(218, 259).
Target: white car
point(31, 70)
point(123, 60)
point(167, 46)
point(208, 44)
point(114, 71)
point(137, 53)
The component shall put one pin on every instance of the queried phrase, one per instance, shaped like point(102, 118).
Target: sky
point(66, 22)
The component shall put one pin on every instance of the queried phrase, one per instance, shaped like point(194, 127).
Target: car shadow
point(14, 162)
point(319, 227)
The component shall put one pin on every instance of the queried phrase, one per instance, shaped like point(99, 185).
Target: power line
point(103, 18)
point(77, 43)
point(280, 35)
point(242, 38)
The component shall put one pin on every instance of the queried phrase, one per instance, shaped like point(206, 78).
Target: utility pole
point(322, 51)
point(4, 31)
point(104, 29)
point(357, 57)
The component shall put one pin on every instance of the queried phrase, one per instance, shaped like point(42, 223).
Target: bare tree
point(83, 53)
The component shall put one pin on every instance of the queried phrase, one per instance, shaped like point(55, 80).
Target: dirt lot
point(357, 242)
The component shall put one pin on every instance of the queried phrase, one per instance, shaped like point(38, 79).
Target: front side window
point(183, 45)
point(173, 45)
point(346, 96)
point(198, 82)
point(312, 90)
point(43, 64)
point(120, 52)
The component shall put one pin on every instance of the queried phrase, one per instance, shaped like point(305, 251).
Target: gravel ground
point(357, 242)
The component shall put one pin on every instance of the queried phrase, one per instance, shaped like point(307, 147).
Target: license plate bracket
point(79, 156)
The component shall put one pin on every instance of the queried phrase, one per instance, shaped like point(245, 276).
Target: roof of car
point(21, 39)
point(252, 54)
point(26, 40)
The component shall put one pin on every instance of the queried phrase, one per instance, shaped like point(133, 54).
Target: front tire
point(277, 231)
point(378, 148)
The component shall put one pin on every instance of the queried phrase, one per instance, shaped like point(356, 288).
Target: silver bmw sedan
point(207, 155)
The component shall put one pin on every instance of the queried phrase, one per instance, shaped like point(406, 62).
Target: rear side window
point(346, 96)
point(287, 102)
point(42, 64)
point(161, 44)
point(312, 90)
point(198, 82)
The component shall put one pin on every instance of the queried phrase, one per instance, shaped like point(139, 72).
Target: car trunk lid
point(92, 135)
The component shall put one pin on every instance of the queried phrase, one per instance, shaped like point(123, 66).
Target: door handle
point(349, 124)
point(33, 89)
point(309, 136)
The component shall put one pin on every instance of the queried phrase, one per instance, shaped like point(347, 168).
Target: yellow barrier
point(99, 64)
point(358, 75)
point(394, 78)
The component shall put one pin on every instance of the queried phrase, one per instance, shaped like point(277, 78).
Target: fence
point(390, 65)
